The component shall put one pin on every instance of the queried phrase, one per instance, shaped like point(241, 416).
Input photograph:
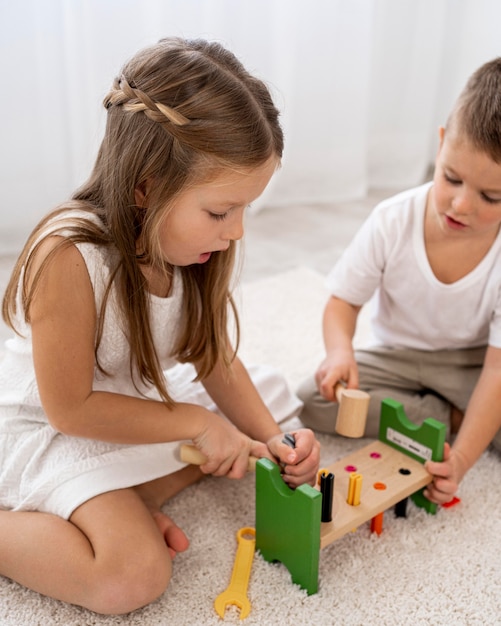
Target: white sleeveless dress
point(44, 470)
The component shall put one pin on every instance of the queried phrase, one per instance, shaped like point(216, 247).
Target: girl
point(111, 289)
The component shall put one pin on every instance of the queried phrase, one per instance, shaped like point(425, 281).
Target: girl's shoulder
point(81, 226)
point(81, 230)
point(75, 223)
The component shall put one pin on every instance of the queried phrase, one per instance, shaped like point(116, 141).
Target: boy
point(432, 258)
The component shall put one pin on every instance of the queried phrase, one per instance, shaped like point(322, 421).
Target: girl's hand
point(300, 464)
point(447, 475)
point(227, 449)
point(338, 365)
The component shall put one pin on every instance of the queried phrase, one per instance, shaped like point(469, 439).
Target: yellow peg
point(354, 489)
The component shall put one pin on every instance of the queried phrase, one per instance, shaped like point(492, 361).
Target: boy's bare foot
point(456, 419)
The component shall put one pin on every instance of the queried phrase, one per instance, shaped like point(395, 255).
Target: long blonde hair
point(178, 113)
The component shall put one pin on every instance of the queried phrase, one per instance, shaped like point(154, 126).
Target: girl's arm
point(481, 422)
point(339, 323)
point(236, 396)
point(63, 323)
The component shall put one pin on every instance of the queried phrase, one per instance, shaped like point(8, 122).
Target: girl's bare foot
point(174, 537)
point(156, 492)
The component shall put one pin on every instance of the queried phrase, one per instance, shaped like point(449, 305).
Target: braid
point(135, 100)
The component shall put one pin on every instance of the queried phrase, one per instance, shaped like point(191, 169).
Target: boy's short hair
point(477, 112)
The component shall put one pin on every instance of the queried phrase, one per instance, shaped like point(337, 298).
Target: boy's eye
point(451, 180)
point(454, 181)
point(491, 200)
point(219, 216)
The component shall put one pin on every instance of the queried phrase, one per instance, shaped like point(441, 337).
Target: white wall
point(362, 85)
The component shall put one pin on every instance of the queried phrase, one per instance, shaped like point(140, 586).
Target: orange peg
point(377, 523)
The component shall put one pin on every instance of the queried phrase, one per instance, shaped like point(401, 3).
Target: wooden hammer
point(352, 411)
point(190, 454)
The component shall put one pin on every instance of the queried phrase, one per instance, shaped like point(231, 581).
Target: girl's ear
point(141, 193)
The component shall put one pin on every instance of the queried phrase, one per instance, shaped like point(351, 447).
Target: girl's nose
point(235, 228)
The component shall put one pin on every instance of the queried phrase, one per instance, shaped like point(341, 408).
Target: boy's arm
point(482, 419)
point(339, 323)
point(481, 422)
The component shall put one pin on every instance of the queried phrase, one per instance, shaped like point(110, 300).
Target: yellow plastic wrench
point(236, 592)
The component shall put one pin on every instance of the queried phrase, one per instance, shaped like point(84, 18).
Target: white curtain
point(362, 86)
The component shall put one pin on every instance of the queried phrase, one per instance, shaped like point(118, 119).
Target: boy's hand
point(337, 366)
point(447, 475)
point(300, 464)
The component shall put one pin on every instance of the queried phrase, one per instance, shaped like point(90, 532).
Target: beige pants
point(426, 383)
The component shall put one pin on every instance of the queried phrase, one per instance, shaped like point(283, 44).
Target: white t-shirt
point(411, 308)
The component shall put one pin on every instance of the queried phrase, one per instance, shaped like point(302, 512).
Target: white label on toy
point(408, 444)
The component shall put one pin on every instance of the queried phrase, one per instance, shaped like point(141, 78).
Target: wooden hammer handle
point(338, 391)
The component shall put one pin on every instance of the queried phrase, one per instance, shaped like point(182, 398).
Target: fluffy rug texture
point(443, 569)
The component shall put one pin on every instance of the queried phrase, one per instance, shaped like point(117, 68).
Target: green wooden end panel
point(422, 443)
point(288, 525)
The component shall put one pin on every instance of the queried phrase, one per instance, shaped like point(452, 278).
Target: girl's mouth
point(203, 258)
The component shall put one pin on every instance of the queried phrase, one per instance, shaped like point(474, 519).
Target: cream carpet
point(441, 570)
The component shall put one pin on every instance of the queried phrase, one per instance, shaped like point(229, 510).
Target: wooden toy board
point(379, 464)
point(288, 522)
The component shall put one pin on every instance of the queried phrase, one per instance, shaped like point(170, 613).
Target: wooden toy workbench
point(387, 471)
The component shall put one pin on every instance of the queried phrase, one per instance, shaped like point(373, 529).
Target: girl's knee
point(127, 586)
